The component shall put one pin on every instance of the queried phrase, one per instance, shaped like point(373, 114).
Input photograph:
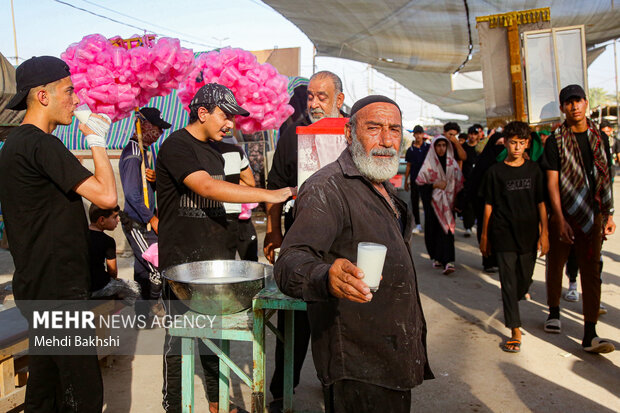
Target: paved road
point(465, 321)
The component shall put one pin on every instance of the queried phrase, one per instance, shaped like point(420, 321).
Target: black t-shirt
point(551, 158)
point(44, 216)
point(485, 160)
point(457, 157)
point(415, 156)
point(470, 162)
point(102, 247)
point(552, 155)
point(514, 193)
point(191, 228)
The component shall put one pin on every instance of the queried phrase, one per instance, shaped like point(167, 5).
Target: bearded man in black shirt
point(369, 349)
point(579, 183)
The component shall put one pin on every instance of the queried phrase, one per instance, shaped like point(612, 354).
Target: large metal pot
point(218, 287)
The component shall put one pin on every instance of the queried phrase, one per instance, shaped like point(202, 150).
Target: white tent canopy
point(420, 43)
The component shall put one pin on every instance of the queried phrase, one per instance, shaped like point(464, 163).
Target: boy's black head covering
point(218, 95)
point(572, 91)
point(34, 72)
point(153, 115)
point(372, 99)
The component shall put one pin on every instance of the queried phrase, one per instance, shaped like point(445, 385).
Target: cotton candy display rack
point(258, 88)
point(114, 80)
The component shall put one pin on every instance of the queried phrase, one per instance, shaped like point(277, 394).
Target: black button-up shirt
point(382, 342)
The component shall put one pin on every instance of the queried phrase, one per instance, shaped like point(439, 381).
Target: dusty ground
point(465, 321)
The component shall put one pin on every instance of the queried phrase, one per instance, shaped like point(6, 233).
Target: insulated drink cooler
point(318, 145)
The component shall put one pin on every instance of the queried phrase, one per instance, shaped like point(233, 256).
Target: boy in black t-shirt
point(514, 210)
point(191, 190)
point(103, 268)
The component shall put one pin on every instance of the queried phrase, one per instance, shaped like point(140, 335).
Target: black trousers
point(515, 276)
point(64, 384)
point(300, 348)
point(572, 269)
point(172, 361)
point(352, 396)
point(439, 245)
point(469, 214)
point(172, 373)
point(301, 341)
point(144, 273)
point(172, 345)
point(491, 260)
point(247, 241)
point(415, 203)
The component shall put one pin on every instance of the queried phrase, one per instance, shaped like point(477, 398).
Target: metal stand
point(244, 326)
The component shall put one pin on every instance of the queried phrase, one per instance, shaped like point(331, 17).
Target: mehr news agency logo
point(57, 320)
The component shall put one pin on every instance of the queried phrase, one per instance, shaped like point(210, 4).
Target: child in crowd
point(513, 214)
point(103, 268)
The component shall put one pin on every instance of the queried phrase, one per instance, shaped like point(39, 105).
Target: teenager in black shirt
point(581, 203)
point(191, 189)
point(514, 210)
point(41, 190)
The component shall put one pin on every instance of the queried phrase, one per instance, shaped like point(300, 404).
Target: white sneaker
point(468, 233)
point(417, 229)
point(571, 295)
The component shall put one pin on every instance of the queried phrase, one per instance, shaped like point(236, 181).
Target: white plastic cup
point(82, 113)
point(370, 259)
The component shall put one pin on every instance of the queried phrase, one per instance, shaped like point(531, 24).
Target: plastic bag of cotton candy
point(258, 88)
point(99, 124)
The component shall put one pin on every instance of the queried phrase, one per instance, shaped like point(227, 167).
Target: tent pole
point(616, 69)
point(514, 47)
point(14, 34)
point(313, 59)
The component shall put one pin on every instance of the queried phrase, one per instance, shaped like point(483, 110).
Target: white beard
point(375, 169)
point(333, 114)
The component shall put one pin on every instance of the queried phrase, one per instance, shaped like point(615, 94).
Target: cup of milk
point(370, 259)
point(82, 112)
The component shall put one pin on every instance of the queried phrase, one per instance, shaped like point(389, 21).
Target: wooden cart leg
point(187, 373)
point(289, 337)
point(224, 379)
point(7, 375)
point(258, 356)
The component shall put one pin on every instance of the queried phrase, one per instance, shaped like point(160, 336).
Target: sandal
point(553, 326)
point(599, 345)
point(437, 264)
point(449, 269)
point(571, 295)
point(515, 346)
